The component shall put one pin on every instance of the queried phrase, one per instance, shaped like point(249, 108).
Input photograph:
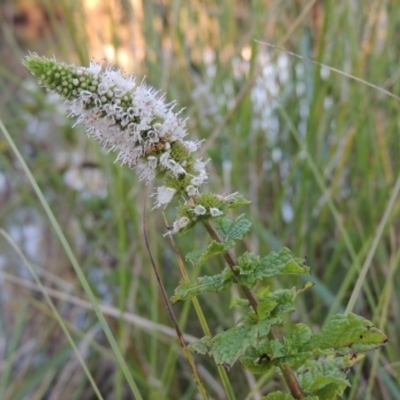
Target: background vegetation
point(316, 152)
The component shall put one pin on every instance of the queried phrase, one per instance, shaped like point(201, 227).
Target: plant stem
point(203, 322)
point(171, 314)
point(122, 250)
point(231, 260)
point(287, 372)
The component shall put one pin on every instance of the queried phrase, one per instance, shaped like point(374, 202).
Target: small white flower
point(168, 162)
point(102, 88)
point(192, 145)
point(192, 191)
point(165, 159)
point(183, 222)
point(94, 68)
point(199, 180)
point(152, 161)
point(200, 166)
point(215, 212)
point(177, 170)
point(178, 225)
point(163, 196)
point(86, 95)
point(199, 210)
point(129, 118)
point(145, 171)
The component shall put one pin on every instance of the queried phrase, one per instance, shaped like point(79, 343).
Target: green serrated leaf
point(214, 283)
point(227, 347)
point(278, 302)
point(285, 396)
point(230, 345)
point(278, 396)
point(203, 346)
point(253, 269)
point(254, 367)
point(293, 355)
point(232, 230)
point(348, 360)
point(266, 306)
point(194, 256)
point(324, 378)
point(264, 353)
point(198, 257)
point(348, 334)
point(255, 361)
point(276, 349)
point(295, 340)
point(261, 329)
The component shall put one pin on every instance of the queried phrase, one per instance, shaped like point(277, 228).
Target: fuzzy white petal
point(199, 210)
point(192, 190)
point(178, 225)
point(163, 196)
point(215, 212)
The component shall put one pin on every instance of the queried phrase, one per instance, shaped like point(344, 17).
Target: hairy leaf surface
point(285, 396)
point(348, 333)
point(213, 283)
point(230, 345)
point(198, 257)
point(324, 378)
point(253, 269)
point(232, 230)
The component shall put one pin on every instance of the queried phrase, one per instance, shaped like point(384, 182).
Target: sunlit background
point(317, 153)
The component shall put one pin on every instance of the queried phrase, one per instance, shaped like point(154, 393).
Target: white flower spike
point(133, 120)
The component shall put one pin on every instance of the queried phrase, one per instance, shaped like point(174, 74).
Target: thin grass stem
point(55, 312)
point(75, 264)
point(203, 321)
point(186, 352)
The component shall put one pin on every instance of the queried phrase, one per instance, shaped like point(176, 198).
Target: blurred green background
point(317, 153)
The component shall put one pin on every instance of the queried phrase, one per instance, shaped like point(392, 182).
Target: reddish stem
point(287, 372)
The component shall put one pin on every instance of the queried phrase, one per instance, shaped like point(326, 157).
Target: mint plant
point(149, 136)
